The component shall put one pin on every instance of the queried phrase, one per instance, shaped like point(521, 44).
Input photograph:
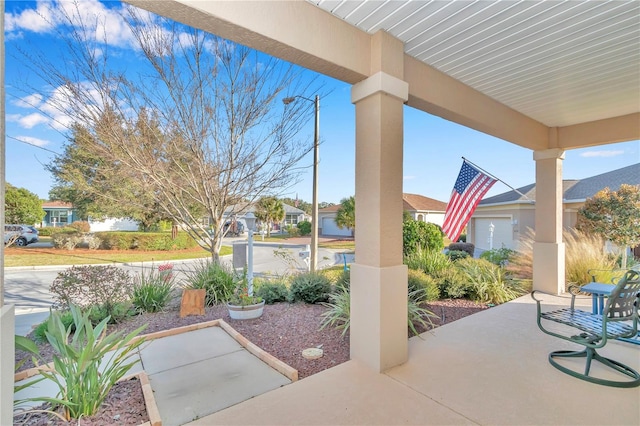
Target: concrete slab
point(198, 389)
point(186, 348)
point(348, 394)
point(44, 388)
point(26, 322)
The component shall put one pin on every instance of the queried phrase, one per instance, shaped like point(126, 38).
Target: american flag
point(470, 186)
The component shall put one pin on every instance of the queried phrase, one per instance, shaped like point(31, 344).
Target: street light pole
point(313, 258)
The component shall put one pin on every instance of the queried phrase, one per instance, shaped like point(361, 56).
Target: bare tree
point(199, 126)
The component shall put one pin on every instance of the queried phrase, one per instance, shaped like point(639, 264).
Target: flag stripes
point(468, 190)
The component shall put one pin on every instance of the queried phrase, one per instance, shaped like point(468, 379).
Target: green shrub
point(457, 255)
point(66, 240)
point(114, 313)
point(163, 241)
point(116, 240)
point(421, 235)
point(304, 227)
point(81, 226)
point(310, 288)
point(468, 247)
point(344, 280)
point(217, 280)
point(152, 291)
point(39, 332)
point(431, 262)
point(146, 241)
point(92, 241)
point(105, 289)
point(499, 257)
point(86, 364)
point(452, 283)
point(47, 231)
point(272, 292)
point(487, 282)
point(91, 285)
point(418, 280)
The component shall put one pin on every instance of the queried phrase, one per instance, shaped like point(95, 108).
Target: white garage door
point(329, 227)
point(502, 232)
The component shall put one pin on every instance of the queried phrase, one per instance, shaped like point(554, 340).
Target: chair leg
point(591, 354)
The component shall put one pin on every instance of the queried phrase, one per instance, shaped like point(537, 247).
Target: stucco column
point(7, 318)
point(378, 278)
point(548, 248)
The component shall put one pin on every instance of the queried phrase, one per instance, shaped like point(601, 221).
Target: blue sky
point(433, 147)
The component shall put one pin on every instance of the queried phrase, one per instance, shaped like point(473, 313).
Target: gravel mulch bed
point(284, 330)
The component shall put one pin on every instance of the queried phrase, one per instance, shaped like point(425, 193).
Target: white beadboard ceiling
point(558, 62)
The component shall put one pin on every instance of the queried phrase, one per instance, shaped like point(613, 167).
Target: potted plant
point(243, 304)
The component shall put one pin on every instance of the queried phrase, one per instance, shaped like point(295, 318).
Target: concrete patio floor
point(489, 368)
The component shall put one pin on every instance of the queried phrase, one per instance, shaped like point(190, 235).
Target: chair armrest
point(572, 290)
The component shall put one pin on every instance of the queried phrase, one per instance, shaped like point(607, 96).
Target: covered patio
point(489, 368)
point(547, 76)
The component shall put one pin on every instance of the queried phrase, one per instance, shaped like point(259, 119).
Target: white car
point(20, 235)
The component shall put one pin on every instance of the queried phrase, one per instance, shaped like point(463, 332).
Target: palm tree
point(269, 210)
point(346, 214)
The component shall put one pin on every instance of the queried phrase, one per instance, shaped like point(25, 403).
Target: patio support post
point(7, 318)
point(548, 248)
point(378, 277)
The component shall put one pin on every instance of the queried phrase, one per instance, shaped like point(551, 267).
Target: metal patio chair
point(618, 319)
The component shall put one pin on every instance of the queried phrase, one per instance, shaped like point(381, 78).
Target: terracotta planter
point(238, 312)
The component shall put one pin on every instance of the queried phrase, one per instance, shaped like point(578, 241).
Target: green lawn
point(37, 256)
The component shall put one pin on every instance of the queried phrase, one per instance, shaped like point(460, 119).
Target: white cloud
point(591, 154)
point(408, 177)
point(13, 118)
point(30, 101)
point(31, 120)
point(32, 141)
point(103, 23)
point(39, 20)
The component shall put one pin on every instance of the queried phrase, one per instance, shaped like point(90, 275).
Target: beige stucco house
point(512, 213)
point(546, 76)
point(423, 208)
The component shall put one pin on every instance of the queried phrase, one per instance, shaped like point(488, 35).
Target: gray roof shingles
point(576, 190)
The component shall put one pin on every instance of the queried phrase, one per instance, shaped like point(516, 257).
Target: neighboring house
point(58, 213)
point(113, 224)
point(511, 214)
point(424, 209)
point(327, 225)
point(293, 215)
point(420, 208)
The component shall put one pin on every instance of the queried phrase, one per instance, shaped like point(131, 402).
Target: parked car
point(20, 235)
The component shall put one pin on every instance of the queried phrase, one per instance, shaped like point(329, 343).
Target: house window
point(421, 218)
point(291, 219)
point(59, 217)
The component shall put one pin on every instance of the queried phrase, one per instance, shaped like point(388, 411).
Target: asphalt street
point(28, 287)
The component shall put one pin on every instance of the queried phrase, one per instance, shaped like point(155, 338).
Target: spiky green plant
point(487, 282)
point(86, 363)
point(218, 281)
point(152, 290)
point(338, 311)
